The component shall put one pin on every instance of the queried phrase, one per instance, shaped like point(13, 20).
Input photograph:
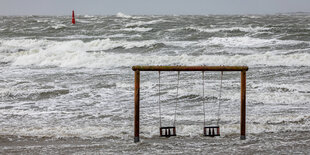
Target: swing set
point(168, 131)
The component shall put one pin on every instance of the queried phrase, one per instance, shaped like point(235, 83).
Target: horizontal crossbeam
point(190, 68)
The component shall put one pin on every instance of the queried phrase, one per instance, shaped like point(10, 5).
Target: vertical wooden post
point(137, 106)
point(243, 110)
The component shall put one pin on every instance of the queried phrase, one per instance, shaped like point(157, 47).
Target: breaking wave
point(76, 53)
point(242, 29)
point(71, 58)
point(143, 23)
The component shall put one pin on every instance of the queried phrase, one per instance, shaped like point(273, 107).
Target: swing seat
point(167, 131)
point(211, 131)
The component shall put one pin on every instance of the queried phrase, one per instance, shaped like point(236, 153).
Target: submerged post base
point(137, 139)
point(242, 137)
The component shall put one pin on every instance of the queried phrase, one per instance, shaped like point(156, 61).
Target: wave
point(77, 37)
point(12, 93)
point(75, 58)
point(214, 30)
point(74, 45)
point(249, 42)
point(76, 53)
point(59, 26)
point(138, 29)
point(16, 45)
point(143, 23)
point(122, 15)
point(238, 42)
point(89, 16)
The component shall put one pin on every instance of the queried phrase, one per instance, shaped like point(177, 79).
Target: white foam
point(247, 42)
point(119, 35)
point(42, 20)
point(122, 15)
point(75, 45)
point(254, 17)
point(67, 53)
point(137, 29)
point(59, 26)
point(72, 58)
point(77, 37)
point(143, 23)
point(74, 54)
point(89, 16)
point(14, 45)
point(243, 29)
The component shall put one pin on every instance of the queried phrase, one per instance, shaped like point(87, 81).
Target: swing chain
point(203, 98)
point(220, 98)
point(159, 108)
point(177, 96)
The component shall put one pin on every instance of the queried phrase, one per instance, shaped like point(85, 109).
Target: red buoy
point(73, 19)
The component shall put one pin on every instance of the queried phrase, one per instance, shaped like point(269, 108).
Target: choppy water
point(69, 88)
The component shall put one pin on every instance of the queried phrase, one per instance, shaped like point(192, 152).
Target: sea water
point(68, 88)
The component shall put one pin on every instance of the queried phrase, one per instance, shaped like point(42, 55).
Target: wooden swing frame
point(137, 70)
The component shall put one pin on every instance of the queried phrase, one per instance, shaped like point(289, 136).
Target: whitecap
point(245, 42)
point(142, 23)
point(214, 29)
point(59, 26)
point(137, 29)
point(65, 57)
point(122, 15)
point(88, 16)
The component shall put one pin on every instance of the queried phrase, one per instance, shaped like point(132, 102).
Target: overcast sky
point(151, 7)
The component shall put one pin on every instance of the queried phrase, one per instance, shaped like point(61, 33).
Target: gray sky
point(149, 7)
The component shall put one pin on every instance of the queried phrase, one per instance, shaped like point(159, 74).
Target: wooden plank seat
point(211, 131)
point(167, 131)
